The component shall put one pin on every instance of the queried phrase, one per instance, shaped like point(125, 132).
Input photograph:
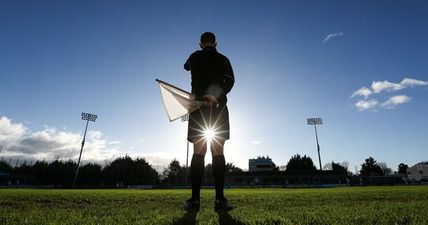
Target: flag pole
point(163, 82)
point(184, 119)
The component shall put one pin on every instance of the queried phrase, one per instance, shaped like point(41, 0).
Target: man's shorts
point(205, 118)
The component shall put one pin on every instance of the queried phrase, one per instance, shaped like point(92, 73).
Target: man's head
point(208, 39)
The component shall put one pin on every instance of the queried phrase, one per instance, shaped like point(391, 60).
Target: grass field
point(356, 205)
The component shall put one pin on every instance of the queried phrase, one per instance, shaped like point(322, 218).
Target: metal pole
point(183, 119)
point(187, 163)
point(187, 156)
point(318, 146)
point(80, 155)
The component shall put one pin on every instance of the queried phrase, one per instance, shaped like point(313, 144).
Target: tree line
point(125, 171)
point(304, 165)
point(297, 165)
point(122, 171)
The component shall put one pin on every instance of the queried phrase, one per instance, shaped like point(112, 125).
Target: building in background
point(418, 171)
point(261, 164)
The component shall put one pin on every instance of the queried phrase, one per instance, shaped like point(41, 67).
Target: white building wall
point(418, 171)
point(260, 164)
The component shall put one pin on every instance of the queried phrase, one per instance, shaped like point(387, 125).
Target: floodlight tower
point(88, 117)
point(315, 122)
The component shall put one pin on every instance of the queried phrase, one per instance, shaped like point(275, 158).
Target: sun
point(209, 131)
point(209, 134)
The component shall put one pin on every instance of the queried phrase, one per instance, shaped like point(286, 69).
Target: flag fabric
point(177, 102)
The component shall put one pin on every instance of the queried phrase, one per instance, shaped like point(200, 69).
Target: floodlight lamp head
point(89, 117)
point(314, 121)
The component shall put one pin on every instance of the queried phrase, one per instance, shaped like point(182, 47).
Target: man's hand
point(210, 101)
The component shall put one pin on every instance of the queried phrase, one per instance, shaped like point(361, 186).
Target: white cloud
point(378, 86)
point(362, 92)
point(96, 148)
point(158, 160)
point(10, 131)
point(50, 143)
point(333, 35)
point(413, 82)
point(396, 100)
point(364, 105)
point(255, 142)
point(385, 86)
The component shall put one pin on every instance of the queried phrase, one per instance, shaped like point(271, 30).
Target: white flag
point(177, 102)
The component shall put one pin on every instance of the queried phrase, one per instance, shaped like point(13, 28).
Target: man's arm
point(187, 63)
point(228, 77)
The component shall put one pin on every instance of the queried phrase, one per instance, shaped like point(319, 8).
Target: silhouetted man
point(212, 79)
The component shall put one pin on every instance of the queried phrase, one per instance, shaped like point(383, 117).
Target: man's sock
point(196, 174)
point(219, 173)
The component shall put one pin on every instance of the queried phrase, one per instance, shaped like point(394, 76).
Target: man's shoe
point(222, 205)
point(192, 205)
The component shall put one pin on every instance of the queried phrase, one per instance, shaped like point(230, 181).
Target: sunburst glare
point(209, 134)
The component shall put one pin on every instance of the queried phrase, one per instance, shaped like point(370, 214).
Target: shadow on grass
point(189, 218)
point(225, 219)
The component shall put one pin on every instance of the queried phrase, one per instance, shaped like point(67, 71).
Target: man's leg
point(197, 167)
point(219, 167)
point(219, 174)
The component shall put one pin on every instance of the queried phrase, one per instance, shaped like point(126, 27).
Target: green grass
point(356, 205)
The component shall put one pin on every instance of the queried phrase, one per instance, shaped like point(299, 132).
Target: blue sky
point(292, 60)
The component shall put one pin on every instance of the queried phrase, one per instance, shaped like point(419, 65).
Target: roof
point(423, 164)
